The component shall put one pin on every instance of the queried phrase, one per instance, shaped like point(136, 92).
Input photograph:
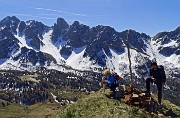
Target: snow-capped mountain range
point(27, 45)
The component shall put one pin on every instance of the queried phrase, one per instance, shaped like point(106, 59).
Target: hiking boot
point(112, 94)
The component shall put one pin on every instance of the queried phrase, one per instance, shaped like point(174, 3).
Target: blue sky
point(148, 16)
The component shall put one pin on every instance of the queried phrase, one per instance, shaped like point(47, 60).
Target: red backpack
point(117, 77)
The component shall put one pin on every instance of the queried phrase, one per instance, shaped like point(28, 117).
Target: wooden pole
point(129, 54)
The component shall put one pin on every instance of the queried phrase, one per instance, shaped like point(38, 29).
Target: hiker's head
point(107, 72)
point(154, 65)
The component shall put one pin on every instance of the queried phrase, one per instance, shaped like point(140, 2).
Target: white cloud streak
point(35, 16)
point(53, 10)
point(49, 15)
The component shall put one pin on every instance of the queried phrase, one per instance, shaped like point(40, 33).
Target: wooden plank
point(136, 103)
point(142, 94)
point(148, 100)
point(145, 103)
point(128, 89)
point(127, 98)
point(136, 91)
point(135, 95)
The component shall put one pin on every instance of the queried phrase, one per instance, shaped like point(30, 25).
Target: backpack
point(161, 67)
point(162, 72)
point(117, 77)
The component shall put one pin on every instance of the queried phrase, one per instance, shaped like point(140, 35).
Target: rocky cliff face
point(169, 41)
point(83, 47)
point(59, 29)
point(12, 47)
point(8, 42)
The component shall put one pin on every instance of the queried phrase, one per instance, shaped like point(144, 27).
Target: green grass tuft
point(97, 105)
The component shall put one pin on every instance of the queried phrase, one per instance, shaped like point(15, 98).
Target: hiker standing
point(158, 77)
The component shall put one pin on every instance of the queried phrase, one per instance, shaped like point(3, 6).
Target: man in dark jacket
point(158, 77)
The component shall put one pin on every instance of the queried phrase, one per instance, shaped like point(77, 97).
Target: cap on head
point(154, 63)
point(107, 72)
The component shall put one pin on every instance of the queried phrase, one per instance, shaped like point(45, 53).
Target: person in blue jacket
point(109, 80)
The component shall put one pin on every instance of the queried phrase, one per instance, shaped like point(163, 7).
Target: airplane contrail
point(61, 11)
point(18, 14)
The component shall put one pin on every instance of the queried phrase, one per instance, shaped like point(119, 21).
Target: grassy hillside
point(98, 105)
point(38, 110)
point(95, 105)
point(168, 106)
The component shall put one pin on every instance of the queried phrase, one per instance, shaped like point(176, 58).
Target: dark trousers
point(112, 87)
point(159, 87)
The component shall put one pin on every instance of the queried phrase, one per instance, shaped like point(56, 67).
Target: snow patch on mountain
point(171, 43)
point(60, 43)
point(155, 52)
point(77, 61)
point(119, 63)
point(49, 48)
point(9, 64)
point(23, 42)
point(173, 60)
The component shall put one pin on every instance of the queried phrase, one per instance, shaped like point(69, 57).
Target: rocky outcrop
point(59, 29)
point(171, 40)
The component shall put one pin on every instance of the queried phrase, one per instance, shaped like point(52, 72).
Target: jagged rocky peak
point(168, 35)
point(175, 35)
point(37, 26)
point(76, 23)
point(9, 19)
point(11, 23)
point(78, 34)
point(62, 24)
point(22, 26)
point(59, 29)
point(31, 22)
point(29, 55)
point(34, 33)
point(102, 27)
point(178, 28)
point(104, 37)
point(106, 33)
point(77, 27)
point(136, 39)
point(9, 44)
point(169, 42)
point(162, 37)
point(134, 33)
